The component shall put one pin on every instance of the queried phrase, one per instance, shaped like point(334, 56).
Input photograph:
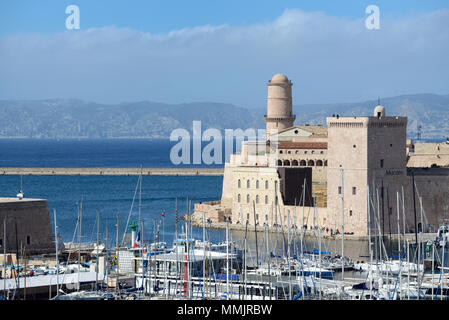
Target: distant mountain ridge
point(73, 118)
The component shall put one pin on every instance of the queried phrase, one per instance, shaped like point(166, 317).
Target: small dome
point(379, 111)
point(279, 78)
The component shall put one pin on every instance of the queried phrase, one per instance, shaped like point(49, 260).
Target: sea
point(116, 196)
point(112, 196)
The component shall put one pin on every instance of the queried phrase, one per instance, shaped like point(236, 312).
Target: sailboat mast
point(176, 218)
point(4, 258)
point(140, 201)
point(97, 251)
point(369, 240)
point(204, 251)
point(302, 220)
point(227, 258)
point(414, 207)
point(244, 260)
point(107, 259)
point(176, 242)
point(56, 249)
point(288, 255)
point(378, 227)
point(117, 254)
point(269, 259)
point(342, 230)
point(255, 232)
point(79, 243)
point(399, 229)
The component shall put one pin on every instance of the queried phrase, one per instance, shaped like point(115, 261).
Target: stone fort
point(28, 226)
point(362, 169)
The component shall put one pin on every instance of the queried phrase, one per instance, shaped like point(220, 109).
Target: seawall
point(112, 171)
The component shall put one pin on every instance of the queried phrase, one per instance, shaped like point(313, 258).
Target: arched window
point(239, 198)
point(257, 198)
point(257, 184)
point(286, 163)
point(302, 163)
point(279, 163)
point(325, 163)
point(247, 183)
point(266, 184)
point(311, 163)
point(239, 183)
point(319, 163)
point(266, 199)
point(295, 163)
point(247, 198)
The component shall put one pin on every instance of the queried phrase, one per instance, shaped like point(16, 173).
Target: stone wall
point(423, 155)
point(31, 219)
point(212, 210)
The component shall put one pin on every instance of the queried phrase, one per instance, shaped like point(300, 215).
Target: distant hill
point(431, 111)
point(71, 118)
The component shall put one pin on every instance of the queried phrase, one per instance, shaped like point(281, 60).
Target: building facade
point(360, 176)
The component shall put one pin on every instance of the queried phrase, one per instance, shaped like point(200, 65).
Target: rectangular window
point(381, 163)
point(354, 190)
point(350, 213)
point(28, 240)
point(1, 242)
point(339, 190)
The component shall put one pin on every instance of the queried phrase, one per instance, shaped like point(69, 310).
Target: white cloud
point(328, 58)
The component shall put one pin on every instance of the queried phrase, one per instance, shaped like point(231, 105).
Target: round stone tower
point(279, 105)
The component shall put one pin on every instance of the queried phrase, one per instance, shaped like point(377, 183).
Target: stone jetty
point(112, 171)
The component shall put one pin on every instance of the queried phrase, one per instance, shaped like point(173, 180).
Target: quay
point(112, 171)
point(312, 233)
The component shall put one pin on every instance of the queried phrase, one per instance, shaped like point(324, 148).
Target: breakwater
point(112, 171)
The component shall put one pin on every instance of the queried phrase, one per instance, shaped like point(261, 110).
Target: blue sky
point(183, 51)
point(48, 16)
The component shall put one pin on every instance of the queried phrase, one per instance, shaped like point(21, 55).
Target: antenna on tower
point(418, 130)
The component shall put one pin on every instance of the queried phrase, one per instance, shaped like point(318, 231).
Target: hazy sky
point(223, 51)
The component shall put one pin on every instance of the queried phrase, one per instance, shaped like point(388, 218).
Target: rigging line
point(283, 233)
point(73, 239)
point(378, 228)
point(402, 203)
point(131, 209)
point(441, 273)
point(200, 288)
point(397, 279)
point(423, 211)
